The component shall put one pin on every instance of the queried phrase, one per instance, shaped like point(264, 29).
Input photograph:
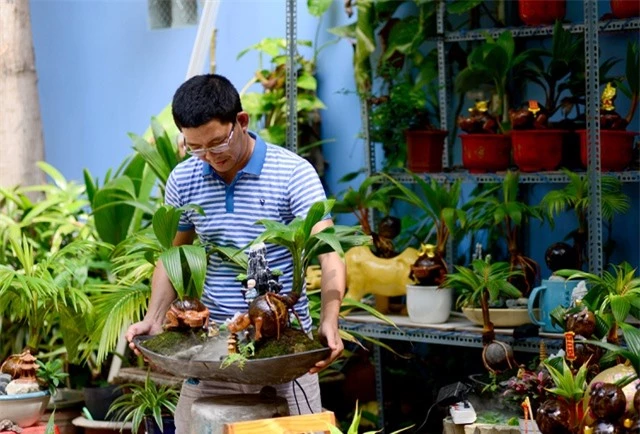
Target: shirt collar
point(255, 163)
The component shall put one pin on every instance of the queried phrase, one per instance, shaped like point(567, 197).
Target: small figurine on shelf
point(479, 121)
point(22, 368)
point(609, 118)
point(529, 118)
point(429, 269)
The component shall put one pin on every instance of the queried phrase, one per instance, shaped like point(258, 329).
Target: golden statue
point(608, 96)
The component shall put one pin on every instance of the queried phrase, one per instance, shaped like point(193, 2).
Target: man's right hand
point(143, 327)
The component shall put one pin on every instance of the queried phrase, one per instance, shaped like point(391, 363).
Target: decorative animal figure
point(187, 313)
point(268, 313)
point(368, 274)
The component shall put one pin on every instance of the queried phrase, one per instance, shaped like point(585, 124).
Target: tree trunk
point(21, 137)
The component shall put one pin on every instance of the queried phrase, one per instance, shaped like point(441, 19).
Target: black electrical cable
point(293, 389)
point(295, 382)
point(424, 422)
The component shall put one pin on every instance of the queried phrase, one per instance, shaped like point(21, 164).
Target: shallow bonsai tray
point(270, 370)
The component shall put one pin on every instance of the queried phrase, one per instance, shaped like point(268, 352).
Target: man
point(238, 179)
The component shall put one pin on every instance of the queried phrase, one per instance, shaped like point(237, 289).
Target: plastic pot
point(536, 150)
point(486, 152)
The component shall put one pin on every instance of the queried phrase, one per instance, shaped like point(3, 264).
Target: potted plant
point(440, 204)
point(150, 403)
point(504, 210)
point(564, 412)
point(269, 107)
point(493, 63)
point(404, 116)
point(303, 245)
point(26, 387)
point(532, 14)
point(624, 8)
point(373, 194)
point(575, 195)
point(613, 297)
point(617, 143)
point(537, 143)
point(378, 269)
point(478, 286)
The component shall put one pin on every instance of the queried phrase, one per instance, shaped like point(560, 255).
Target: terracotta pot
point(625, 8)
point(616, 149)
point(539, 12)
point(536, 150)
point(424, 150)
point(486, 152)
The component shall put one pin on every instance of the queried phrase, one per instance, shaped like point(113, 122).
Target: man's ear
point(243, 120)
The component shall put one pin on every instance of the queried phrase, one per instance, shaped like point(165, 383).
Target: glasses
point(216, 149)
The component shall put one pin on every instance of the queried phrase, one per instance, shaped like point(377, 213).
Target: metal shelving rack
point(427, 335)
point(591, 29)
point(291, 85)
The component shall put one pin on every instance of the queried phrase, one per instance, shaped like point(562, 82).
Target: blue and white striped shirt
point(276, 184)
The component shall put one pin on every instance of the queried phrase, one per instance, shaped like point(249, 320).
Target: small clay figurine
point(480, 121)
point(187, 313)
point(268, 310)
point(22, 367)
point(429, 269)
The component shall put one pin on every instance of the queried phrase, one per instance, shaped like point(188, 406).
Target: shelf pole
point(442, 80)
point(592, 113)
point(291, 81)
point(377, 363)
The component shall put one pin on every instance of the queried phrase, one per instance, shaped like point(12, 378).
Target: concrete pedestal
point(208, 415)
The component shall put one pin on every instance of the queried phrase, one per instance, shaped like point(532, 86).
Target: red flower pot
point(625, 8)
point(538, 12)
point(486, 152)
point(424, 150)
point(536, 150)
point(616, 149)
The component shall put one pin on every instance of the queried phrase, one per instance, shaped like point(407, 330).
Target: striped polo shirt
point(276, 184)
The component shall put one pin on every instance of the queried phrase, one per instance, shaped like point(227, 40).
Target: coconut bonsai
point(439, 203)
point(576, 195)
point(373, 194)
point(505, 211)
point(493, 63)
point(612, 297)
point(479, 285)
point(616, 142)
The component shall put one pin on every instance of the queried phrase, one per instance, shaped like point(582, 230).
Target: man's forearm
point(162, 295)
point(333, 286)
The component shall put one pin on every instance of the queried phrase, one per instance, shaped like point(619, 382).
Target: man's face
point(218, 144)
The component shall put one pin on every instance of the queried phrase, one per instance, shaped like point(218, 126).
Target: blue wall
point(103, 73)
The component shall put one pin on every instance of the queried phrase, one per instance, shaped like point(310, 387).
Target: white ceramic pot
point(429, 304)
point(24, 409)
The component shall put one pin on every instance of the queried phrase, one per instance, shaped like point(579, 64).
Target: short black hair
point(203, 98)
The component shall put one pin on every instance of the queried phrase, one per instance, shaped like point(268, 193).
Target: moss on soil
point(291, 341)
point(171, 342)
